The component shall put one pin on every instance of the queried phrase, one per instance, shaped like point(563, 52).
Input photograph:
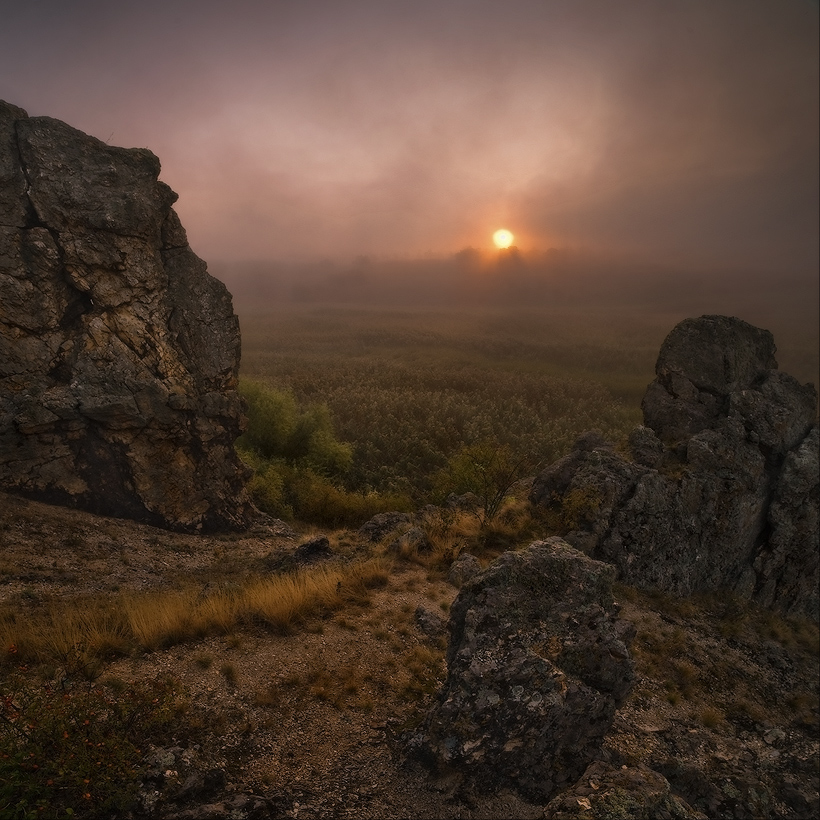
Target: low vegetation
point(355, 411)
point(416, 398)
point(77, 750)
point(352, 413)
point(79, 635)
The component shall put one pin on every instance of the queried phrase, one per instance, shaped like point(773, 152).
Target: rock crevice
point(119, 353)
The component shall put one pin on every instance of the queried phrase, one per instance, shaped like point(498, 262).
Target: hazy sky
point(678, 130)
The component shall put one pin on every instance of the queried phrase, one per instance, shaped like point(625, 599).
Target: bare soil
point(308, 724)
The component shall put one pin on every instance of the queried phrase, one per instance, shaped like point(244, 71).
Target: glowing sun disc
point(503, 238)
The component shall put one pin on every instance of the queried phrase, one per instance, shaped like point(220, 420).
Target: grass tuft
point(81, 634)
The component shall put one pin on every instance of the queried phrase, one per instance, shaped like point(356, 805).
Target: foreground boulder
point(119, 353)
point(537, 663)
point(723, 487)
point(636, 792)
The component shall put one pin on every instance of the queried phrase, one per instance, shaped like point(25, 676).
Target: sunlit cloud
point(318, 129)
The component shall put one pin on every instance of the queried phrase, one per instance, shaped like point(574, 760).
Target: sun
point(503, 238)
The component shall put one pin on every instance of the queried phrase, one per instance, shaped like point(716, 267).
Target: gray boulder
point(464, 568)
point(722, 489)
point(429, 622)
point(537, 663)
point(701, 362)
point(119, 353)
point(383, 524)
point(634, 792)
point(415, 540)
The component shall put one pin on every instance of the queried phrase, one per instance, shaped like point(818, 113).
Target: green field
point(408, 389)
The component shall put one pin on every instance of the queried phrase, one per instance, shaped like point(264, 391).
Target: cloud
point(309, 129)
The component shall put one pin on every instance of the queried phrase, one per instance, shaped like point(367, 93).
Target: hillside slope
point(305, 720)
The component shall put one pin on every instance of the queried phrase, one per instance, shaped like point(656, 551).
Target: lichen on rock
point(119, 353)
point(723, 488)
point(537, 663)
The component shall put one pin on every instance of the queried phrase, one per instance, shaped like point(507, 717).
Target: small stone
point(464, 568)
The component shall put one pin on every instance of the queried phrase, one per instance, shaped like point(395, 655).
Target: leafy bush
point(487, 470)
point(77, 750)
point(278, 429)
point(298, 462)
point(289, 492)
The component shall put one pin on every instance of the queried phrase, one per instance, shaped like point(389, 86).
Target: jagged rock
point(788, 562)
point(464, 568)
point(310, 552)
point(723, 488)
point(635, 792)
point(234, 807)
point(465, 501)
point(693, 786)
point(646, 448)
point(537, 663)
point(317, 549)
point(119, 353)
point(200, 784)
point(701, 362)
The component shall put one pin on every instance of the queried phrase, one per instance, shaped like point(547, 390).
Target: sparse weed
point(806, 708)
point(746, 709)
point(711, 717)
point(228, 671)
point(424, 669)
point(270, 696)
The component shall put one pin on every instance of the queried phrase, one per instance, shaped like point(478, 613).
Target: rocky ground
point(308, 724)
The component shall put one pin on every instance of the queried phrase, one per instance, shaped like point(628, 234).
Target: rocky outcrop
point(118, 351)
point(464, 568)
point(722, 489)
point(636, 792)
point(537, 663)
point(382, 524)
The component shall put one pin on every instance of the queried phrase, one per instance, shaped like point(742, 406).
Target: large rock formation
point(722, 489)
point(537, 663)
point(118, 351)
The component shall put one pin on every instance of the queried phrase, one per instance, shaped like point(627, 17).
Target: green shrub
point(298, 463)
point(278, 429)
point(77, 750)
point(288, 491)
point(486, 469)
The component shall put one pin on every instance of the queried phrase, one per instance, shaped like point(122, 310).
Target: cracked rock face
point(723, 488)
point(537, 663)
point(119, 353)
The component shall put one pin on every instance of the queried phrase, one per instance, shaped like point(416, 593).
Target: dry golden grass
point(424, 672)
point(161, 619)
point(78, 634)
